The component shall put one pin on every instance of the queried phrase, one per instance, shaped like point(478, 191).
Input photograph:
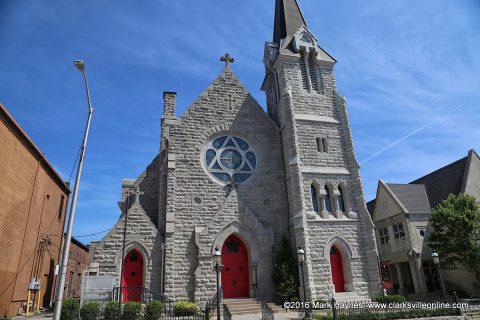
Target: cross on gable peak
point(228, 60)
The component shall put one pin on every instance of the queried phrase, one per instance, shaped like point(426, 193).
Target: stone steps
point(350, 297)
point(242, 306)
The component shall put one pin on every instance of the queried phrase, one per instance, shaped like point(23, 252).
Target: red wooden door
point(337, 269)
point(132, 276)
point(235, 271)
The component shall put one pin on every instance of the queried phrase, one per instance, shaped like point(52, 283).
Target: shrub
point(69, 306)
point(111, 311)
point(185, 308)
point(285, 271)
point(131, 310)
point(90, 311)
point(391, 298)
point(321, 302)
point(322, 317)
point(153, 310)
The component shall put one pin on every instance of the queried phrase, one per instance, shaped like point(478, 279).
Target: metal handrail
point(226, 313)
point(267, 312)
point(146, 294)
point(263, 293)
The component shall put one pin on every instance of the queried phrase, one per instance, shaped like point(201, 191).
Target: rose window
point(230, 158)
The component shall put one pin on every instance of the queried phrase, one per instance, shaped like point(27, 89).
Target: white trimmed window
point(398, 232)
point(383, 236)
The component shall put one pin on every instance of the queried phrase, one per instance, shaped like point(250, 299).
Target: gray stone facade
point(181, 212)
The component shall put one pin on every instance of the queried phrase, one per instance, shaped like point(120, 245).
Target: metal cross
point(227, 59)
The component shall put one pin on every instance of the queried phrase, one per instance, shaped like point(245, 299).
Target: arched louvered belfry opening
point(132, 279)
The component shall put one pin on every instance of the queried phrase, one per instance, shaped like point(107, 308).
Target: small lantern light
point(435, 258)
point(300, 254)
point(217, 258)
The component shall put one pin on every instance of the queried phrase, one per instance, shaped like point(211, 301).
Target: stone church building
point(232, 176)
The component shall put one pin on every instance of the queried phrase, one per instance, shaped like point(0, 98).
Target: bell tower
point(327, 212)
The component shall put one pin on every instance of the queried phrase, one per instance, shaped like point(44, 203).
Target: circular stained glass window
point(230, 158)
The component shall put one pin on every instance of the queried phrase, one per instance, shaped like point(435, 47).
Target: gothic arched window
point(229, 158)
point(314, 198)
point(341, 200)
point(328, 200)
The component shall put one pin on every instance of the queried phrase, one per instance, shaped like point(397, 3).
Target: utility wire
point(73, 167)
point(93, 234)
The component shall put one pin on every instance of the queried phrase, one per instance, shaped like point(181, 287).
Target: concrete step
point(350, 297)
point(242, 306)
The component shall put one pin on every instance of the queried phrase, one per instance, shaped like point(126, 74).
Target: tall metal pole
point(122, 263)
point(441, 282)
point(71, 218)
point(304, 291)
point(217, 268)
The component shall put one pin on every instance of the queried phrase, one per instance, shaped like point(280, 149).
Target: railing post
point(334, 310)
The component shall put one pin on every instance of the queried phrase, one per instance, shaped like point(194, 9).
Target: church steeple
point(288, 19)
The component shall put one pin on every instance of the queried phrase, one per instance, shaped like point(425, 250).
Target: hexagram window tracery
point(230, 158)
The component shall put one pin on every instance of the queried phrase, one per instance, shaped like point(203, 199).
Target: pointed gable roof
point(412, 196)
point(440, 183)
point(288, 19)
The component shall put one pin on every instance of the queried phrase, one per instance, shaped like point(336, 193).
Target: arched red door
point(132, 276)
point(235, 271)
point(337, 269)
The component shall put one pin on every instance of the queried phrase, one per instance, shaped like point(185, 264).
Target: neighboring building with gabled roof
point(401, 214)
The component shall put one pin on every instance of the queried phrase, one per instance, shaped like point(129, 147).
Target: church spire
point(288, 19)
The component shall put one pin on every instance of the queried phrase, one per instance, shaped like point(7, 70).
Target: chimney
point(169, 103)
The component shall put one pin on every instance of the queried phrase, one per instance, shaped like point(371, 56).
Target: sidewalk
point(46, 315)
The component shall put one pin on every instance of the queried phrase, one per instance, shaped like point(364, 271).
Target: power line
point(93, 234)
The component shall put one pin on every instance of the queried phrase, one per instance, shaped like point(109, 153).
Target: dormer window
point(309, 72)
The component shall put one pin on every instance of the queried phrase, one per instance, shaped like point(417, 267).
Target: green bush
point(317, 316)
point(69, 306)
point(285, 271)
point(185, 308)
point(394, 315)
point(321, 301)
point(111, 311)
point(153, 310)
point(90, 310)
point(131, 310)
point(391, 298)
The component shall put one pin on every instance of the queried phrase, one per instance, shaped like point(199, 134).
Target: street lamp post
point(217, 263)
point(128, 192)
point(301, 259)
point(68, 237)
point(436, 261)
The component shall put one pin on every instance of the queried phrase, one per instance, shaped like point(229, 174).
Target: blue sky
point(410, 71)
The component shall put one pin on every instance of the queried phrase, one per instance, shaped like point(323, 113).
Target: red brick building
point(78, 262)
point(33, 201)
